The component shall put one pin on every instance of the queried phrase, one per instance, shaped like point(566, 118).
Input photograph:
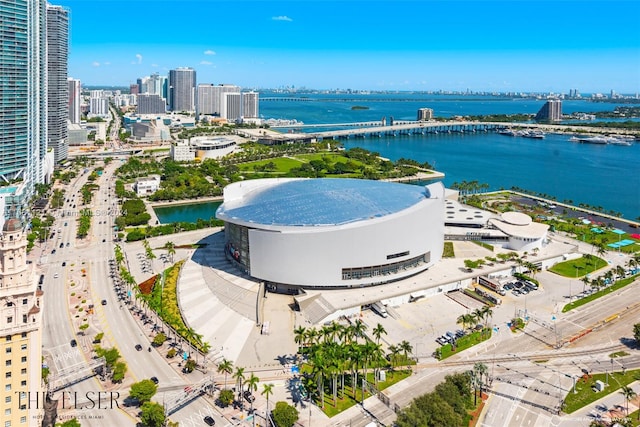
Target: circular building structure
point(332, 233)
point(523, 233)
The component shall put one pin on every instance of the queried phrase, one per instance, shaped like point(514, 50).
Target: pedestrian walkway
point(216, 301)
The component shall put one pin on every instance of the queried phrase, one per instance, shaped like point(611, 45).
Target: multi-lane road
point(110, 316)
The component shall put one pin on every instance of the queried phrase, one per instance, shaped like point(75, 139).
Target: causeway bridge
point(379, 128)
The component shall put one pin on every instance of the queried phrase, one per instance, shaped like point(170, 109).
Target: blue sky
point(516, 45)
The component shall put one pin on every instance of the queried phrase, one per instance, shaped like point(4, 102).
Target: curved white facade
point(368, 232)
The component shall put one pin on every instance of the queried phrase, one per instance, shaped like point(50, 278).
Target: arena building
point(296, 233)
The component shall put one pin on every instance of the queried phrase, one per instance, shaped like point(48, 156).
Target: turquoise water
point(186, 213)
point(598, 175)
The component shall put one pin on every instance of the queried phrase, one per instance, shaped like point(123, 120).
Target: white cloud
point(282, 18)
point(107, 63)
point(139, 58)
point(95, 63)
point(209, 52)
point(154, 65)
point(206, 63)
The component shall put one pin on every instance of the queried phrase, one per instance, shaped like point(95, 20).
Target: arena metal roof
point(318, 202)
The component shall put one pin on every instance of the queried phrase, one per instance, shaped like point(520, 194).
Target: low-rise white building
point(182, 152)
point(212, 148)
point(146, 186)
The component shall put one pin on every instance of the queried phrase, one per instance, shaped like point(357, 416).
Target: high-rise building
point(57, 89)
point(250, 102)
point(23, 104)
point(211, 98)
point(182, 89)
point(20, 329)
point(425, 114)
point(551, 111)
point(232, 106)
point(151, 104)
point(75, 90)
point(134, 89)
point(157, 85)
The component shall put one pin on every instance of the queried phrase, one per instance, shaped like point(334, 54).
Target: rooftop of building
point(321, 202)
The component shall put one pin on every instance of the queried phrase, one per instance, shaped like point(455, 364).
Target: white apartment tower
point(232, 106)
point(20, 330)
point(250, 104)
point(211, 98)
point(75, 100)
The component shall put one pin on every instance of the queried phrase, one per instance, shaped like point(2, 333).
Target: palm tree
point(355, 357)
point(479, 369)
point(252, 385)
point(358, 329)
point(226, 367)
point(585, 280)
point(171, 249)
point(393, 354)
point(478, 314)
point(486, 314)
point(406, 348)
point(378, 331)
point(267, 390)
point(628, 394)
point(300, 333)
point(239, 377)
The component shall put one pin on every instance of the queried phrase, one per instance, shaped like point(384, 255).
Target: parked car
point(209, 420)
point(154, 379)
point(104, 302)
point(248, 396)
point(74, 343)
point(441, 341)
point(138, 347)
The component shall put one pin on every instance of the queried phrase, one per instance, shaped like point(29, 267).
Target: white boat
point(600, 140)
point(616, 141)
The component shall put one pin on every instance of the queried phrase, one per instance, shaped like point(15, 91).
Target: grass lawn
point(346, 401)
point(283, 164)
point(582, 301)
point(448, 251)
point(464, 343)
point(578, 267)
point(332, 157)
point(586, 394)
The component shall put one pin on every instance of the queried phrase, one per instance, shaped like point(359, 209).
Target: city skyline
point(410, 45)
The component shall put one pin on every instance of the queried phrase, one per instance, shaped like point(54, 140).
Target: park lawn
point(578, 267)
point(448, 251)
point(464, 343)
point(346, 401)
point(283, 164)
point(585, 394)
point(332, 157)
point(582, 301)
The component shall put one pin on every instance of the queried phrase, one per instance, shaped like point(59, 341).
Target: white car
point(55, 276)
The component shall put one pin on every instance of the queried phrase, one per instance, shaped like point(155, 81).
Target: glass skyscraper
point(23, 95)
point(58, 88)
point(182, 89)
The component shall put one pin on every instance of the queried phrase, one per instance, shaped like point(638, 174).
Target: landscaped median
point(463, 343)
point(163, 299)
point(586, 386)
point(606, 291)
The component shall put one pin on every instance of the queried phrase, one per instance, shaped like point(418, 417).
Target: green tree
point(119, 370)
point(226, 367)
point(225, 397)
point(73, 422)
point(143, 390)
point(267, 390)
point(171, 249)
point(284, 415)
point(152, 414)
point(159, 339)
point(378, 332)
point(628, 394)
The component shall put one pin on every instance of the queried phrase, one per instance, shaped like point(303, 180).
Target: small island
point(359, 107)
